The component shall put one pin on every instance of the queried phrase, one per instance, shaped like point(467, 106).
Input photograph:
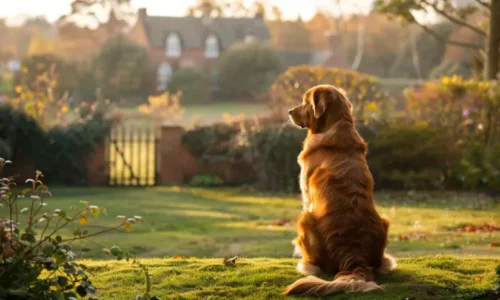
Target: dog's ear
point(318, 103)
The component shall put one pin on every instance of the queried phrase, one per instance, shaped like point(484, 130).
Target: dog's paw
point(308, 269)
point(297, 252)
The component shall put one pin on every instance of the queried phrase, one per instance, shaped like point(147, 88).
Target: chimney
point(206, 10)
point(260, 11)
point(142, 13)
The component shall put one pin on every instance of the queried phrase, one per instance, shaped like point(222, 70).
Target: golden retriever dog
point(339, 229)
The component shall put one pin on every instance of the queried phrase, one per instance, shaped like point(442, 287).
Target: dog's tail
point(345, 282)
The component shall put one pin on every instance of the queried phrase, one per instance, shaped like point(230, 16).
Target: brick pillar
point(170, 164)
point(97, 166)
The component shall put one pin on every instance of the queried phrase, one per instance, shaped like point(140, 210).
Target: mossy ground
point(426, 277)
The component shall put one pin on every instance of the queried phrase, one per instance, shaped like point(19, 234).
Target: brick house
point(192, 42)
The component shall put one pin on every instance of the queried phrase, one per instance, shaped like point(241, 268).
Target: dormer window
point(173, 45)
point(212, 49)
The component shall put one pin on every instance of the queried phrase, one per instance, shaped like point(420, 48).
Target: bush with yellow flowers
point(370, 101)
point(466, 114)
point(39, 126)
point(39, 100)
point(164, 108)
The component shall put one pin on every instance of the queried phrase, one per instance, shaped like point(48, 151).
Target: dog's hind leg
point(308, 246)
point(388, 261)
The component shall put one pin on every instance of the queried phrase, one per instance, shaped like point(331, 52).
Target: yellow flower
point(372, 107)
point(65, 108)
point(24, 70)
point(19, 89)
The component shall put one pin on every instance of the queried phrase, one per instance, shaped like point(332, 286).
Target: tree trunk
point(493, 47)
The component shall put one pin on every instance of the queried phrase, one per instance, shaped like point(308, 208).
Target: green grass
point(201, 114)
point(216, 222)
point(204, 225)
point(6, 83)
point(429, 277)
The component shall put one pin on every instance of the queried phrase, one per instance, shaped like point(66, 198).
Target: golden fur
point(339, 229)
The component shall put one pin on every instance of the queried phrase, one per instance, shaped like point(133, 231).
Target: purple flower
point(465, 113)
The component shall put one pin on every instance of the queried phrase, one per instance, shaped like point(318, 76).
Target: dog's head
point(322, 106)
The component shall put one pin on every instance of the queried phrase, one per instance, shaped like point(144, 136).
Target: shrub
point(163, 108)
point(247, 70)
point(369, 99)
point(121, 68)
point(467, 115)
point(22, 138)
point(215, 141)
point(38, 99)
point(65, 73)
point(407, 155)
point(274, 152)
point(194, 85)
point(207, 180)
point(36, 262)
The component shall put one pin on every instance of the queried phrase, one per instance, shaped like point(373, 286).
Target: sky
point(14, 10)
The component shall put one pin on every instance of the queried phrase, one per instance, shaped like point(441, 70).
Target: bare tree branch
point(455, 19)
point(483, 4)
point(360, 46)
point(451, 42)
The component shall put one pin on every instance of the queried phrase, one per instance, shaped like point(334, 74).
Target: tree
point(247, 69)
point(121, 68)
point(289, 34)
point(459, 15)
point(194, 85)
point(117, 11)
point(233, 8)
point(41, 46)
point(318, 26)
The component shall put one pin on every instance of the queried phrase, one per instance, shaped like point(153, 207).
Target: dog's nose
point(290, 111)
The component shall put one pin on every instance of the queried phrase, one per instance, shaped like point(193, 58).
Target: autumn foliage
point(369, 99)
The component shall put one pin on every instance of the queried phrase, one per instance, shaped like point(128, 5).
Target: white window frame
point(212, 47)
point(173, 47)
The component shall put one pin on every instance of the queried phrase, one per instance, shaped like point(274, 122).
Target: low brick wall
point(177, 165)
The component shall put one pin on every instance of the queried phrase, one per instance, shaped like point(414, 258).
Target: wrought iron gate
point(132, 156)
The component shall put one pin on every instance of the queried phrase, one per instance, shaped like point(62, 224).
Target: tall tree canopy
point(462, 16)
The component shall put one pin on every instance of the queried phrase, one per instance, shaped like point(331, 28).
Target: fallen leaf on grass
point(178, 257)
point(477, 279)
point(281, 222)
point(230, 261)
point(478, 228)
point(101, 267)
point(494, 244)
point(414, 236)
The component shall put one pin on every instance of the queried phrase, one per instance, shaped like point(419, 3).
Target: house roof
point(193, 31)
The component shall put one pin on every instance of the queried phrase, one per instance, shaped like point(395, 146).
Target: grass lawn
point(216, 222)
point(419, 278)
point(201, 114)
point(6, 83)
point(187, 232)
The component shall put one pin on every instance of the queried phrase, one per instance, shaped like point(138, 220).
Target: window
point(212, 47)
point(173, 45)
point(249, 38)
point(163, 77)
